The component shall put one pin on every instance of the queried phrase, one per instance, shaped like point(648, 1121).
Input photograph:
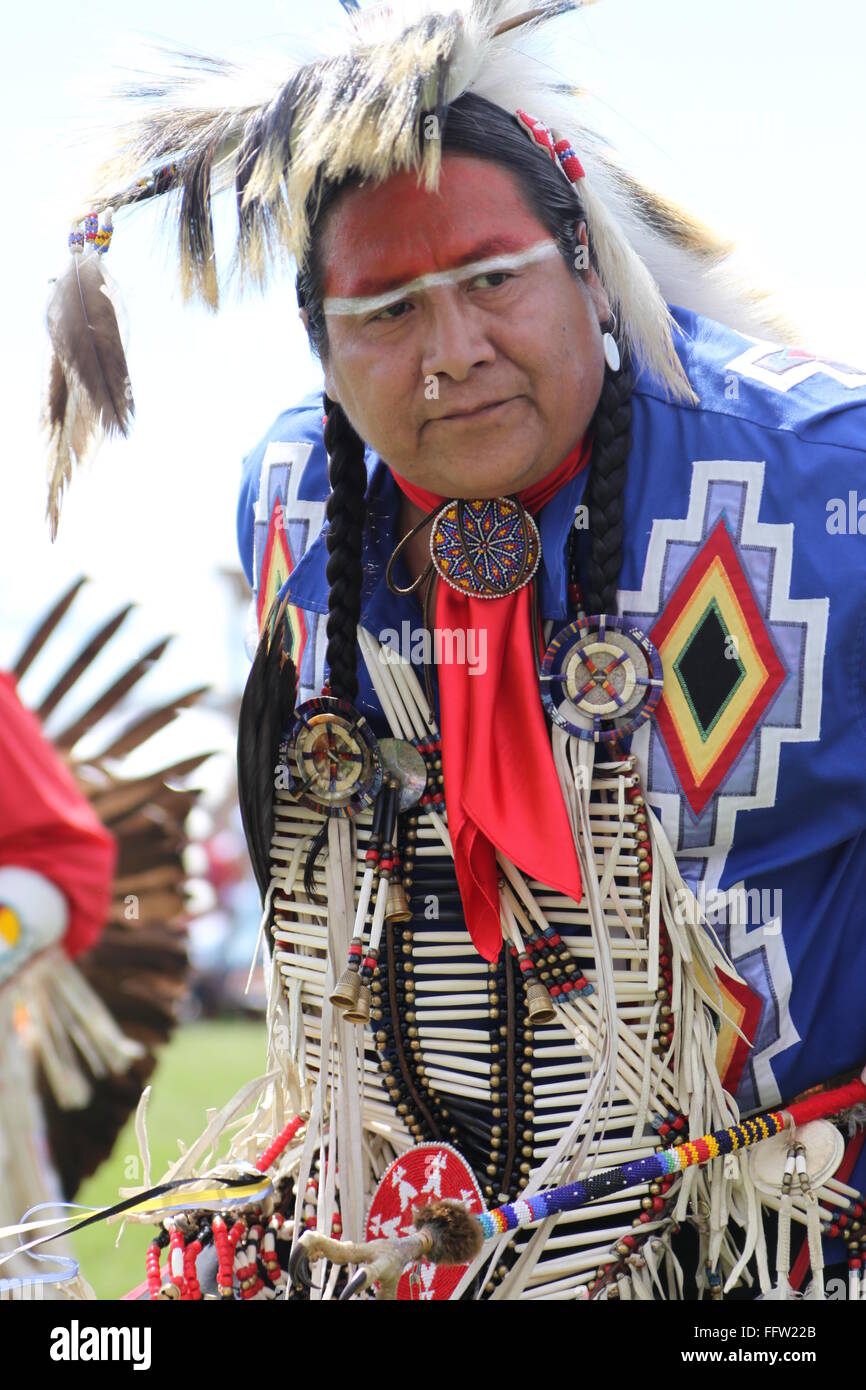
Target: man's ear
point(591, 282)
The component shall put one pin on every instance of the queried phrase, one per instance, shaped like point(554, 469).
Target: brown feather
point(86, 338)
point(148, 725)
point(85, 658)
point(46, 627)
point(110, 697)
point(89, 394)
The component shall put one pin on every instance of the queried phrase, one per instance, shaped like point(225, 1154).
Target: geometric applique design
point(758, 952)
point(740, 1009)
point(285, 526)
point(709, 670)
point(713, 751)
point(782, 368)
point(276, 568)
point(720, 667)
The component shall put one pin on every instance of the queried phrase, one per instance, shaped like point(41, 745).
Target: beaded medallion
point(333, 761)
point(426, 1173)
point(600, 678)
point(486, 548)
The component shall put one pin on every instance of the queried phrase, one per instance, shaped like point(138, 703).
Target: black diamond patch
point(708, 670)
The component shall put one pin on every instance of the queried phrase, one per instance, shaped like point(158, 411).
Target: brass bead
point(526, 1168)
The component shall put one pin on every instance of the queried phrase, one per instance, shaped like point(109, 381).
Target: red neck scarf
point(501, 787)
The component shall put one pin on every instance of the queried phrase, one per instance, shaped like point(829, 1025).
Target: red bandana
point(501, 787)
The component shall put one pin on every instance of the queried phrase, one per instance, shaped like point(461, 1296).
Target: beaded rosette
point(485, 548)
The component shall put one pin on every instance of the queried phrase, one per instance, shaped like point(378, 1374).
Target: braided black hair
point(345, 512)
point(605, 489)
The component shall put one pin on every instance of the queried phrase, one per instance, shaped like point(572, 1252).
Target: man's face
point(472, 388)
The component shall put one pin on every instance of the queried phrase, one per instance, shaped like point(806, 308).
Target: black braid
point(346, 512)
point(604, 494)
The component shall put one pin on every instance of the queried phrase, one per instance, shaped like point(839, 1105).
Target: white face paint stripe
point(372, 303)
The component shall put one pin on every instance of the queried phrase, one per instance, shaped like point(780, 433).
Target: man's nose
point(455, 340)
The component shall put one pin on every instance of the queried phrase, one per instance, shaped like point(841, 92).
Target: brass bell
point(346, 990)
point(540, 1005)
point(397, 908)
point(359, 1011)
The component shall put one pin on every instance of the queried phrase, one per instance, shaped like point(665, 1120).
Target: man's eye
point(388, 315)
point(495, 278)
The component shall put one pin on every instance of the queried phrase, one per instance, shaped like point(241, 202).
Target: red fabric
point(825, 1103)
point(46, 825)
point(501, 787)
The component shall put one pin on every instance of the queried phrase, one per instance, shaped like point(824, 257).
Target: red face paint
point(388, 234)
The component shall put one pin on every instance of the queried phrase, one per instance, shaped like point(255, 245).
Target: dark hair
point(472, 126)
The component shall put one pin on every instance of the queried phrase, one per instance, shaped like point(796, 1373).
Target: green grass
point(203, 1066)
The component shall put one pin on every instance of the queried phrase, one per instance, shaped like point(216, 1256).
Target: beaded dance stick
point(434, 1239)
point(692, 1153)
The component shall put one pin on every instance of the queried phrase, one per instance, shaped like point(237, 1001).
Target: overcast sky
point(751, 112)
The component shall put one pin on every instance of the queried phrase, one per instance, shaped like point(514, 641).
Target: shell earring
point(609, 345)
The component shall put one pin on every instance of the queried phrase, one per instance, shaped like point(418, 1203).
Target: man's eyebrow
point(466, 267)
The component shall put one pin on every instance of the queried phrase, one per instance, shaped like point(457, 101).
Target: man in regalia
point(624, 911)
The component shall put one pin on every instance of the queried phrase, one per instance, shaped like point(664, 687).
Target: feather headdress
point(360, 110)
